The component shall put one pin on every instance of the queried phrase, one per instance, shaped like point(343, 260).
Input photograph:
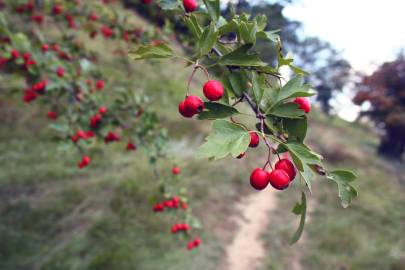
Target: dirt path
point(247, 250)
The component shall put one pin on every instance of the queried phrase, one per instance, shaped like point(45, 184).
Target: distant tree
point(384, 90)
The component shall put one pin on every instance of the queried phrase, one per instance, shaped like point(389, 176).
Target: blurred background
point(53, 216)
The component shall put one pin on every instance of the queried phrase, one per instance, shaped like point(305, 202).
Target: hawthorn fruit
point(190, 5)
point(194, 104)
point(303, 104)
point(213, 90)
point(279, 179)
point(259, 179)
point(254, 139)
point(287, 166)
point(184, 111)
point(176, 170)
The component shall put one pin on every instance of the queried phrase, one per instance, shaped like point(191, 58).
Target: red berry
point(184, 205)
point(111, 137)
point(184, 111)
point(74, 138)
point(57, 9)
point(102, 110)
point(190, 5)
point(15, 54)
point(190, 245)
point(303, 104)
point(45, 47)
point(90, 134)
point(93, 17)
point(85, 161)
point(254, 139)
point(82, 134)
point(279, 179)
point(197, 242)
point(26, 56)
point(37, 18)
point(52, 115)
point(259, 179)
point(194, 104)
point(131, 146)
point(106, 31)
point(287, 166)
point(95, 120)
point(100, 84)
point(176, 170)
point(213, 90)
point(168, 204)
point(60, 72)
point(175, 228)
point(29, 96)
point(146, 1)
point(158, 207)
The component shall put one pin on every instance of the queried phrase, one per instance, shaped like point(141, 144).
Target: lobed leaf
point(225, 139)
point(217, 111)
point(343, 180)
point(241, 57)
point(151, 51)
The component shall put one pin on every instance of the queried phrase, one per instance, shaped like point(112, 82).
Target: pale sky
point(368, 32)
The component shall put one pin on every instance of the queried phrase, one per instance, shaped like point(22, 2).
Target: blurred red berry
point(52, 115)
point(100, 84)
point(131, 146)
point(60, 71)
point(176, 170)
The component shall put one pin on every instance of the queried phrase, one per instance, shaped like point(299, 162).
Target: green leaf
point(213, 8)
point(226, 138)
point(343, 180)
point(298, 70)
point(287, 110)
point(261, 21)
point(217, 111)
point(207, 40)
point(300, 209)
point(296, 128)
point(303, 154)
point(240, 57)
point(294, 88)
point(258, 86)
point(151, 51)
point(269, 35)
point(193, 25)
point(247, 32)
point(238, 83)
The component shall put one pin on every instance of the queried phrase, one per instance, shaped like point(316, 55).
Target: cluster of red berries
point(192, 105)
point(280, 178)
point(173, 203)
point(84, 162)
point(178, 227)
point(32, 93)
point(193, 243)
point(81, 134)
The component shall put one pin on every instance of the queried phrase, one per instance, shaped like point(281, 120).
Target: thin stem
point(204, 70)
point(189, 80)
point(269, 148)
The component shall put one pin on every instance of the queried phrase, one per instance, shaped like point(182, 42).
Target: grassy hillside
point(53, 216)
